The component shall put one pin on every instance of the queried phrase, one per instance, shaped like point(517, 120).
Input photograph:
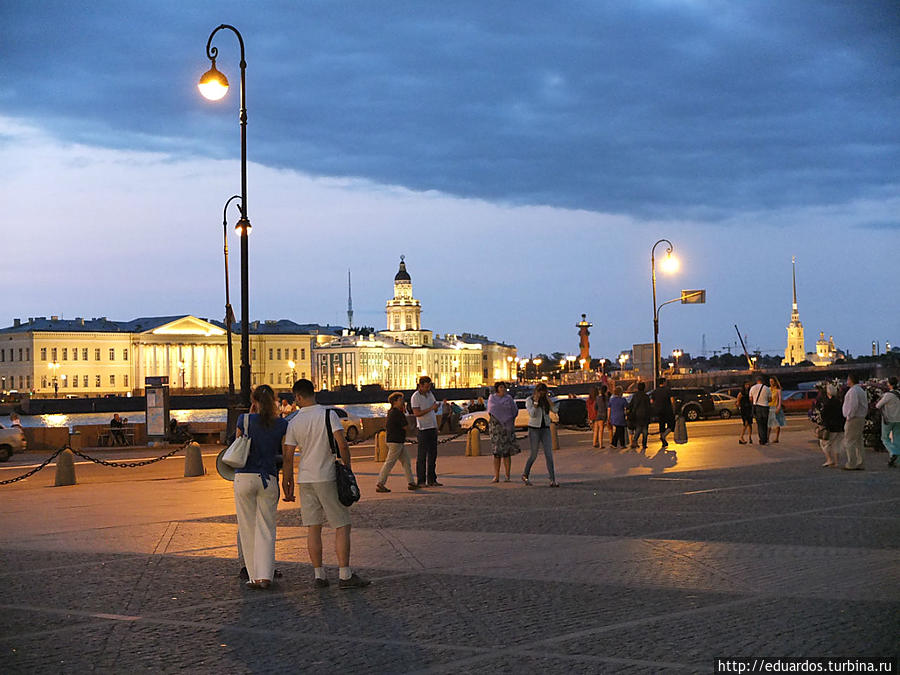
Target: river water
point(207, 415)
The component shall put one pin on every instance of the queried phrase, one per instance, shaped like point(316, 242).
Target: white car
point(352, 424)
point(481, 420)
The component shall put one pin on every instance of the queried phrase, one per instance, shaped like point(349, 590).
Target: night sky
point(524, 156)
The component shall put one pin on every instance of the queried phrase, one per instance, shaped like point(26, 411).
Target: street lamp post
point(671, 264)
point(676, 353)
point(181, 367)
point(214, 85)
point(54, 368)
point(229, 312)
point(293, 367)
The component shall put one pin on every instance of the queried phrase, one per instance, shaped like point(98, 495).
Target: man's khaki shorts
point(319, 501)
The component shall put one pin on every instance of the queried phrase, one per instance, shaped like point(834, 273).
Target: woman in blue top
point(617, 405)
point(256, 488)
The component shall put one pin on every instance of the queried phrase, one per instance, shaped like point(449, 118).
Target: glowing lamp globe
point(213, 85)
point(670, 263)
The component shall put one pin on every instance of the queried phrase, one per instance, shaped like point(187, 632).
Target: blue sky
point(524, 156)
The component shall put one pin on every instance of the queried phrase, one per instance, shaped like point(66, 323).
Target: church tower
point(404, 312)
point(796, 347)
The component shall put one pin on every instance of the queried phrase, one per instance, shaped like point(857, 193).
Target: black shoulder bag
point(347, 489)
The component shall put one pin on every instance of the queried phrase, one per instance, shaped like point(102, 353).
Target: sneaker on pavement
point(434, 483)
point(355, 581)
point(412, 486)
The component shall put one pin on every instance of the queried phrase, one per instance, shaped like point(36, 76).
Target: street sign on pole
point(694, 297)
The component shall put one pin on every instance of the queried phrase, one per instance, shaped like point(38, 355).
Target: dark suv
point(694, 403)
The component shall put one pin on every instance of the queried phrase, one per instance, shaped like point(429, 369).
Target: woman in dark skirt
point(745, 405)
point(502, 411)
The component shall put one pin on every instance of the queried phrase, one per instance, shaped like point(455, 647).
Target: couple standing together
point(424, 407)
point(316, 435)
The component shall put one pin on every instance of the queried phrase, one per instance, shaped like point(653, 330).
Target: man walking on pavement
point(308, 431)
point(424, 407)
point(759, 396)
point(855, 409)
point(889, 405)
point(665, 410)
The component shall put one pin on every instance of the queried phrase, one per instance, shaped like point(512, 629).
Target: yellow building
point(795, 352)
point(96, 357)
point(395, 358)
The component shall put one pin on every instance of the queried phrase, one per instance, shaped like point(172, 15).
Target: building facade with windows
point(396, 357)
point(96, 357)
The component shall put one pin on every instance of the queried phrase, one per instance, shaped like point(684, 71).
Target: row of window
point(275, 354)
point(26, 353)
point(283, 378)
point(65, 381)
point(9, 382)
point(55, 353)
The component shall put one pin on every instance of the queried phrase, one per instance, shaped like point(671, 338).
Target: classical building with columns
point(96, 357)
point(396, 357)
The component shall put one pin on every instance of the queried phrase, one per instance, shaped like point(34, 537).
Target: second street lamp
point(214, 85)
point(229, 312)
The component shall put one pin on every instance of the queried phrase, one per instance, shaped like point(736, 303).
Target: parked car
point(799, 401)
point(726, 405)
point(352, 424)
point(12, 441)
point(729, 391)
point(481, 419)
point(694, 403)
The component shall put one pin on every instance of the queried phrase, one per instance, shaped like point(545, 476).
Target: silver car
point(12, 441)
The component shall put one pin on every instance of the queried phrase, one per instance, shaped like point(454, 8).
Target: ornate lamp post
point(54, 368)
point(229, 312)
point(676, 353)
point(670, 264)
point(214, 85)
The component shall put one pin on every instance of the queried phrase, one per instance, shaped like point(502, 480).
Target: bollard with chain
point(554, 435)
point(65, 468)
point(473, 443)
point(193, 461)
point(381, 449)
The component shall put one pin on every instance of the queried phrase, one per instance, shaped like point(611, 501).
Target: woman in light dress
point(776, 410)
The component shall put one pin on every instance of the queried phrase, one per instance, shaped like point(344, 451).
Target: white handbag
point(236, 454)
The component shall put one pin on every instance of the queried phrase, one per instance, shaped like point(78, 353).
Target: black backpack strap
point(331, 442)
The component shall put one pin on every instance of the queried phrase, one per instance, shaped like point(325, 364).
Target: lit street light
point(670, 264)
point(214, 85)
point(293, 367)
point(676, 353)
point(54, 368)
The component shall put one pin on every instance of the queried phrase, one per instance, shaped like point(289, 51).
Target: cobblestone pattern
point(79, 612)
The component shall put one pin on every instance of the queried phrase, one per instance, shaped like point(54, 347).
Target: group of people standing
point(763, 404)
point(634, 415)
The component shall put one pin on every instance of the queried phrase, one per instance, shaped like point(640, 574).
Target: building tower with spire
point(404, 312)
point(349, 302)
point(796, 346)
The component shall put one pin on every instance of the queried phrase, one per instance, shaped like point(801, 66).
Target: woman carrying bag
point(256, 488)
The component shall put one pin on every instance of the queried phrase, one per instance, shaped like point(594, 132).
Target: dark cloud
point(662, 109)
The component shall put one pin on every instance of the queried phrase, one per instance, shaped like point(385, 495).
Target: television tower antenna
point(349, 302)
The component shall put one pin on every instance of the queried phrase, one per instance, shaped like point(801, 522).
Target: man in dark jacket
point(639, 415)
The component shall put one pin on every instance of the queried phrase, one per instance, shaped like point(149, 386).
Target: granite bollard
point(65, 468)
point(193, 461)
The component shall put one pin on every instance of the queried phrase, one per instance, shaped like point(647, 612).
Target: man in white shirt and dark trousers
point(308, 432)
point(759, 396)
point(423, 407)
point(855, 409)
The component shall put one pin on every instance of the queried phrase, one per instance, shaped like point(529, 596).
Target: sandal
point(525, 480)
point(495, 480)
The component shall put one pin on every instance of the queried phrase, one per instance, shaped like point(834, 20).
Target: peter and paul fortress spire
point(796, 346)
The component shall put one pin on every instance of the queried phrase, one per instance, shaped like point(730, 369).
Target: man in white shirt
point(424, 407)
point(316, 479)
point(889, 405)
point(759, 397)
point(855, 409)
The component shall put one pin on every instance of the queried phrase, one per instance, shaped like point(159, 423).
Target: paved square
point(620, 570)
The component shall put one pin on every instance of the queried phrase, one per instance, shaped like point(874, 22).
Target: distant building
point(96, 357)
point(796, 346)
point(396, 357)
point(826, 353)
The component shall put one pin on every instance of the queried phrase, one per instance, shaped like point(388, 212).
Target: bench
point(106, 439)
point(206, 432)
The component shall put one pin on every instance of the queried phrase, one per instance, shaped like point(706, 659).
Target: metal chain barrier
point(34, 470)
point(130, 465)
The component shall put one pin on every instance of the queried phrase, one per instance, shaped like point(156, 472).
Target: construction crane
point(750, 363)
